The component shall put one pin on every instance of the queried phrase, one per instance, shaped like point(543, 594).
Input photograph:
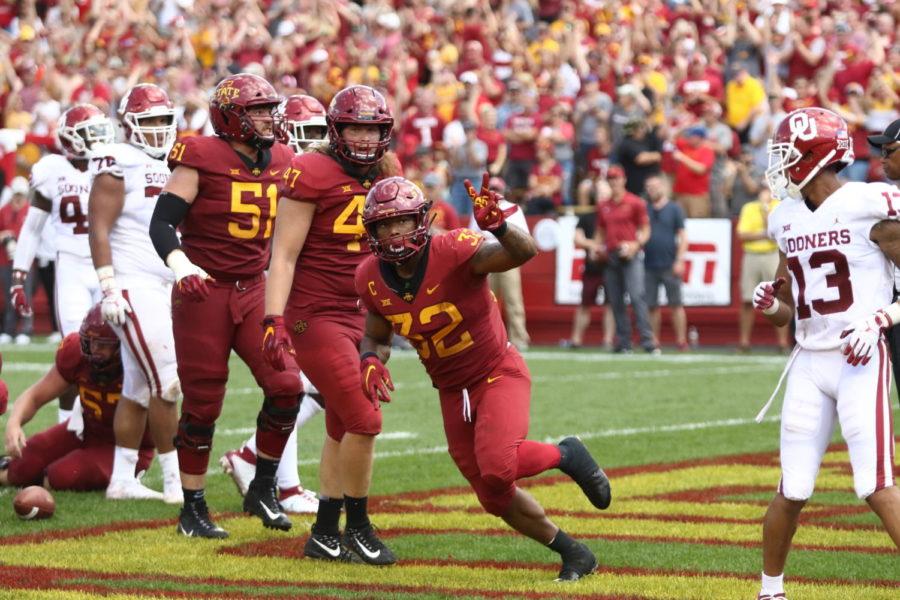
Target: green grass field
point(691, 471)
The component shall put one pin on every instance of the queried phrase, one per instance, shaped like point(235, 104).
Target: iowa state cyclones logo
point(300, 326)
point(226, 92)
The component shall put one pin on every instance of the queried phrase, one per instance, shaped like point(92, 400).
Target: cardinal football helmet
point(396, 197)
point(806, 141)
point(304, 122)
point(145, 101)
point(82, 126)
point(359, 105)
point(229, 104)
point(95, 330)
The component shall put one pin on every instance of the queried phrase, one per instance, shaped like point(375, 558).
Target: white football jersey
point(56, 179)
point(133, 256)
point(839, 275)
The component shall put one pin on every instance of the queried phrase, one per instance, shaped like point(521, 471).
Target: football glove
point(17, 295)
point(764, 296)
point(486, 205)
point(190, 279)
point(861, 337)
point(376, 379)
point(276, 342)
point(114, 307)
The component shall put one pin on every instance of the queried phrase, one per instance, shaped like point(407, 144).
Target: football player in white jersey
point(137, 286)
point(838, 244)
point(59, 191)
point(304, 121)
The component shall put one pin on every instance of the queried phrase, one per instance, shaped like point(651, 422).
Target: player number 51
point(250, 207)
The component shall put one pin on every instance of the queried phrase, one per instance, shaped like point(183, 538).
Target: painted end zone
point(708, 512)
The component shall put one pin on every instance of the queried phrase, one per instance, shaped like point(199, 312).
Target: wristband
point(366, 355)
point(107, 277)
point(776, 304)
point(501, 231)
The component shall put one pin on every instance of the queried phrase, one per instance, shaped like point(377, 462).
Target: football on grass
point(34, 502)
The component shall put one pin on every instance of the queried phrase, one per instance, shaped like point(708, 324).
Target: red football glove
point(487, 206)
point(4, 396)
point(276, 342)
point(376, 379)
point(764, 295)
point(17, 295)
point(193, 287)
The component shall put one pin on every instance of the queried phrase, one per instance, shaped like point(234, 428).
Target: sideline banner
point(707, 274)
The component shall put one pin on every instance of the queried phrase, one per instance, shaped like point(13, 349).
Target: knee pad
point(194, 436)
point(172, 392)
point(278, 414)
point(283, 383)
point(799, 489)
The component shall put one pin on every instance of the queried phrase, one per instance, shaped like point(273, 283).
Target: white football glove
point(764, 296)
point(861, 337)
point(114, 307)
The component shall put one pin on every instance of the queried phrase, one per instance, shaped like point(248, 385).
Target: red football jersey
point(98, 399)
point(228, 229)
point(452, 319)
point(336, 242)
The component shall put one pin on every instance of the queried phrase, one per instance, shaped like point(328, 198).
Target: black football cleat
point(322, 546)
point(261, 500)
point(577, 463)
point(366, 544)
point(194, 521)
point(578, 564)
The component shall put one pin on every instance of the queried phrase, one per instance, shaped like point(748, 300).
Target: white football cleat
point(298, 500)
point(131, 489)
point(241, 465)
point(172, 493)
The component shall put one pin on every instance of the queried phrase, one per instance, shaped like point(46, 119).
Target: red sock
point(535, 457)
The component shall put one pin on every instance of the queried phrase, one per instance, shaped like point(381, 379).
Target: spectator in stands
point(743, 182)
point(467, 161)
point(12, 216)
point(521, 136)
point(444, 215)
point(493, 138)
point(702, 85)
point(631, 104)
point(561, 133)
point(758, 264)
point(623, 229)
point(745, 98)
point(592, 111)
point(723, 141)
point(639, 153)
point(664, 260)
point(545, 181)
point(693, 162)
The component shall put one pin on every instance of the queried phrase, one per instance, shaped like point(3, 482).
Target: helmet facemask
point(80, 138)
point(155, 140)
point(399, 248)
point(303, 134)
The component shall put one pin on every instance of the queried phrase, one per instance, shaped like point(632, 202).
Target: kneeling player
point(72, 455)
point(435, 293)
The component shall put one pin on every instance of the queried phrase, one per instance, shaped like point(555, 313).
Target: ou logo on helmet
point(802, 127)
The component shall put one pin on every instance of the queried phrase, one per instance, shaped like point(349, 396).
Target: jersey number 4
point(70, 212)
point(839, 279)
point(255, 190)
point(349, 222)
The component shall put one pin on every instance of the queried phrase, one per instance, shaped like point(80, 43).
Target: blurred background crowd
point(547, 94)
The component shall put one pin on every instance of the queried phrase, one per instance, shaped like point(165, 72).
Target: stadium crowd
point(547, 94)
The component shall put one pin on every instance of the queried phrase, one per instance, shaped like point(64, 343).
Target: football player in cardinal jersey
point(304, 122)
point(59, 192)
point(223, 195)
point(77, 455)
point(127, 178)
point(434, 292)
point(304, 125)
point(311, 305)
point(838, 244)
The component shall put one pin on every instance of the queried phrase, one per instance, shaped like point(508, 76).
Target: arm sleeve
point(29, 238)
point(167, 216)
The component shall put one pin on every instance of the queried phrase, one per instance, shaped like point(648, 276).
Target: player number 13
point(238, 205)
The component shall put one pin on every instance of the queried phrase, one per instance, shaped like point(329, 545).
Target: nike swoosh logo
point(431, 289)
point(272, 515)
point(369, 372)
point(493, 379)
point(372, 555)
point(274, 172)
point(335, 552)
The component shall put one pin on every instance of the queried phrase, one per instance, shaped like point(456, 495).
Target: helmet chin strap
point(815, 171)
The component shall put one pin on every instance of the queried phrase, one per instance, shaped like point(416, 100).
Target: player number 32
point(405, 320)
